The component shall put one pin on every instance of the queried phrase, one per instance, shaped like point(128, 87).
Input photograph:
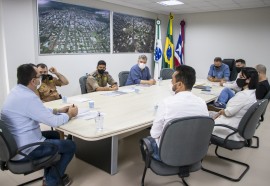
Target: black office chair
point(184, 143)
point(82, 82)
point(267, 96)
point(166, 73)
point(123, 78)
point(9, 149)
point(231, 64)
point(246, 129)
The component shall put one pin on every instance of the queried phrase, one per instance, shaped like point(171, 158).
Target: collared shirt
point(22, 112)
point(95, 80)
point(47, 90)
point(222, 72)
point(177, 106)
point(136, 75)
point(235, 110)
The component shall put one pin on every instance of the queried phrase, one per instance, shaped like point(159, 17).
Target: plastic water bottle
point(159, 80)
point(99, 121)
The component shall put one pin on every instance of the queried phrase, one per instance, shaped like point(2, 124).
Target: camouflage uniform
point(95, 80)
point(47, 90)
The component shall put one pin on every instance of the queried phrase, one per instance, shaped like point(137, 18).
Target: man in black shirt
point(263, 86)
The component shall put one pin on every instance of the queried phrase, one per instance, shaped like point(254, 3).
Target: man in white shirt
point(183, 104)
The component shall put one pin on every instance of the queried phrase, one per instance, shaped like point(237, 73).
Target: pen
point(73, 105)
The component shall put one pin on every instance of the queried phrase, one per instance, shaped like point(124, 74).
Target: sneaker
point(212, 107)
point(219, 105)
point(66, 180)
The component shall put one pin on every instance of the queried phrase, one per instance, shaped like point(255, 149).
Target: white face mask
point(39, 84)
point(142, 65)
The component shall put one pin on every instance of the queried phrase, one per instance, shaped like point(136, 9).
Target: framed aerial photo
point(133, 34)
point(72, 29)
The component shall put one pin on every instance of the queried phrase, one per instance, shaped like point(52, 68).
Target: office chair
point(184, 143)
point(246, 129)
point(231, 64)
point(9, 149)
point(123, 78)
point(166, 73)
point(82, 82)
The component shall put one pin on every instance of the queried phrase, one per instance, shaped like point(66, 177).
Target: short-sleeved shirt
point(95, 80)
point(222, 72)
point(47, 90)
point(136, 75)
point(262, 89)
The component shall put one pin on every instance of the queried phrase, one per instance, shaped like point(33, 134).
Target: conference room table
point(124, 114)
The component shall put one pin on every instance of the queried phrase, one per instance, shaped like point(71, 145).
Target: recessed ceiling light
point(170, 2)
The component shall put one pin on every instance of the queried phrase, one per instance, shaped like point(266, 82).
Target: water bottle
point(99, 121)
point(159, 80)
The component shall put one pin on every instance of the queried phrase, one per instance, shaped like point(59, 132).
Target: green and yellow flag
point(169, 48)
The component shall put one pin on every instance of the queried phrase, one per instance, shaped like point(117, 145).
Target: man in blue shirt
point(140, 73)
point(218, 71)
point(22, 113)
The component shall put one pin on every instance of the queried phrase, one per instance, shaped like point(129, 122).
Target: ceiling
point(191, 6)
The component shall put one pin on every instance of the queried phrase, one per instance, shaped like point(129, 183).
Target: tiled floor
point(131, 167)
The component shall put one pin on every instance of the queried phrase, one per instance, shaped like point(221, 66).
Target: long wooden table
point(124, 114)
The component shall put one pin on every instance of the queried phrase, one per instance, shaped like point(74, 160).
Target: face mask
point(101, 71)
point(46, 77)
point(217, 67)
point(238, 69)
point(241, 82)
point(142, 65)
point(39, 82)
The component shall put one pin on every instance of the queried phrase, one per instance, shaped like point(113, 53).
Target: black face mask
point(241, 82)
point(217, 67)
point(238, 69)
point(47, 77)
point(101, 71)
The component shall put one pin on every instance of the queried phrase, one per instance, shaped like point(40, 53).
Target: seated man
point(177, 106)
point(230, 88)
point(140, 73)
point(47, 90)
point(263, 86)
point(98, 80)
point(238, 105)
point(218, 71)
point(23, 111)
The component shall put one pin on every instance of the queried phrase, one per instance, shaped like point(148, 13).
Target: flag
point(169, 49)
point(179, 49)
point(157, 51)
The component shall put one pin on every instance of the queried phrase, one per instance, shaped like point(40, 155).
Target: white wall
point(18, 36)
point(228, 34)
point(3, 88)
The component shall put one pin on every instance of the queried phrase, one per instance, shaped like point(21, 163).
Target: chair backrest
point(82, 82)
point(250, 120)
point(123, 78)
point(267, 96)
point(185, 141)
point(231, 64)
point(166, 73)
point(8, 146)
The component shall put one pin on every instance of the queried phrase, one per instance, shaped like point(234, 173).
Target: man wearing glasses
point(98, 80)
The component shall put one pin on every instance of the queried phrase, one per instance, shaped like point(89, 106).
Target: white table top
point(123, 113)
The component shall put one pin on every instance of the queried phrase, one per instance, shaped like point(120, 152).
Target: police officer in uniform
point(98, 80)
point(47, 90)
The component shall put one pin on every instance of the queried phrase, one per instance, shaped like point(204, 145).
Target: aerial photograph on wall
point(133, 34)
point(72, 29)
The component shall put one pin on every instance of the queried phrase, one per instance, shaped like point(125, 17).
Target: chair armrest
point(146, 148)
point(229, 127)
point(46, 161)
point(226, 126)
